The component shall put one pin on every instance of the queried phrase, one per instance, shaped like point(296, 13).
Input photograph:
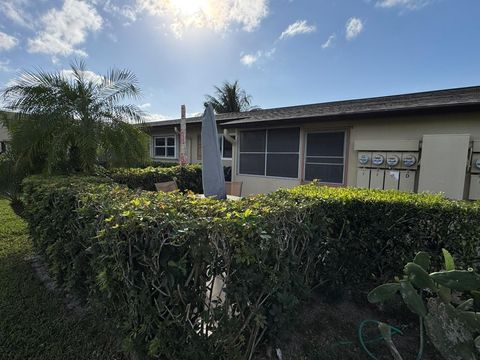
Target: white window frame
point(344, 163)
point(239, 152)
point(221, 139)
point(154, 140)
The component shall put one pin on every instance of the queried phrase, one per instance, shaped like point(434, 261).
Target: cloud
point(353, 28)
point(130, 13)
point(7, 42)
point(408, 4)
point(329, 41)
point(297, 28)
point(218, 15)
point(15, 11)
point(5, 66)
point(145, 106)
point(63, 30)
point(89, 75)
point(156, 117)
point(250, 59)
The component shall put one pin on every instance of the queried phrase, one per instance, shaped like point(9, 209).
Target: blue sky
point(283, 52)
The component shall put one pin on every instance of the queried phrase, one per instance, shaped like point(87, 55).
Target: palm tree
point(230, 98)
point(71, 120)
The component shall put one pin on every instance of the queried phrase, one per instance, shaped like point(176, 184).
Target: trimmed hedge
point(148, 258)
point(188, 177)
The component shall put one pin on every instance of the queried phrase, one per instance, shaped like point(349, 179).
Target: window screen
point(325, 158)
point(253, 141)
point(270, 152)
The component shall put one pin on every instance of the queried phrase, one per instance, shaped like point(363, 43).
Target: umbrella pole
point(183, 137)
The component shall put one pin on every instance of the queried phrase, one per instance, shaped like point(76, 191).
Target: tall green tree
point(72, 120)
point(230, 97)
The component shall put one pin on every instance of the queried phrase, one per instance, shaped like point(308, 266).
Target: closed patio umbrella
point(213, 178)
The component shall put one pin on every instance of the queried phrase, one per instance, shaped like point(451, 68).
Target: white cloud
point(128, 12)
point(408, 4)
point(249, 59)
point(156, 117)
point(15, 11)
point(5, 65)
point(329, 41)
point(89, 75)
point(7, 42)
point(218, 15)
point(353, 28)
point(145, 106)
point(297, 28)
point(63, 30)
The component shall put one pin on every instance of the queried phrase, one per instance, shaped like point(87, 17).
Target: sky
point(282, 52)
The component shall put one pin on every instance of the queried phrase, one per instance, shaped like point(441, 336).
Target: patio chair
point(234, 188)
point(167, 186)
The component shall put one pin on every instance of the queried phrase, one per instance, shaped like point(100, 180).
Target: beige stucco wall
point(387, 128)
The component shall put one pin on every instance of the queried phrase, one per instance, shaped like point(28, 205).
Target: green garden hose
point(394, 331)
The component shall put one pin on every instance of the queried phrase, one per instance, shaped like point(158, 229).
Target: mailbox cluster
point(387, 170)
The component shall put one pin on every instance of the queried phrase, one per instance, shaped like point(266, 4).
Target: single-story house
point(4, 135)
point(427, 141)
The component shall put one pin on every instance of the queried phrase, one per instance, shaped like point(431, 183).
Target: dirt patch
point(330, 331)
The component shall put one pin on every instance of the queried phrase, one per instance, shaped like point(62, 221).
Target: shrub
point(188, 177)
point(452, 326)
point(10, 177)
point(149, 258)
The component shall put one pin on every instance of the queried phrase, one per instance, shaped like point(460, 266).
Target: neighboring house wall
point(4, 138)
point(4, 135)
point(193, 144)
point(390, 129)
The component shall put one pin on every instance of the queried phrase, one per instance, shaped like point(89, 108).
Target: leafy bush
point(10, 177)
point(149, 258)
point(188, 177)
point(451, 324)
point(367, 235)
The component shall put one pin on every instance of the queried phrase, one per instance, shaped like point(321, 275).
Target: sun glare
point(188, 7)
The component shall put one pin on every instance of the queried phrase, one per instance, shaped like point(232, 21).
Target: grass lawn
point(34, 323)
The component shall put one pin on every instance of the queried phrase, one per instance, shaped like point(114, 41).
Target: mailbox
point(363, 178)
point(392, 179)
point(474, 193)
point(377, 178)
point(407, 181)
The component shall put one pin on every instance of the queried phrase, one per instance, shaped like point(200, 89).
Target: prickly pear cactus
point(450, 335)
point(454, 329)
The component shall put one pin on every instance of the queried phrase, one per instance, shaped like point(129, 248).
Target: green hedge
point(187, 177)
point(147, 257)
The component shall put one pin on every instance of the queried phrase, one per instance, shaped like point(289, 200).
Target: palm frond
point(230, 97)
point(59, 115)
